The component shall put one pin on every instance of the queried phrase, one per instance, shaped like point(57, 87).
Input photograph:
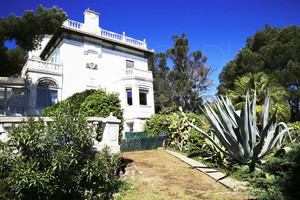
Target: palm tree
point(261, 83)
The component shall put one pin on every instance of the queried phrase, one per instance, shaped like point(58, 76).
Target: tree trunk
point(252, 167)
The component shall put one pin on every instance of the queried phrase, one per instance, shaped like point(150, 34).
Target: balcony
point(134, 73)
point(138, 111)
point(37, 65)
point(106, 34)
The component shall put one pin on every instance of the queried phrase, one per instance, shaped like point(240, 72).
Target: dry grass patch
point(159, 175)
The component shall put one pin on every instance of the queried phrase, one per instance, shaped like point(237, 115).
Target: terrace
point(105, 33)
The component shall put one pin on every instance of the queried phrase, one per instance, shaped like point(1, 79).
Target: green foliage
point(158, 66)
point(56, 162)
point(188, 81)
point(239, 133)
point(101, 104)
point(158, 123)
point(273, 51)
point(180, 132)
point(27, 32)
point(215, 155)
point(11, 61)
point(174, 126)
point(197, 145)
point(261, 83)
point(295, 132)
point(280, 177)
point(93, 103)
point(73, 102)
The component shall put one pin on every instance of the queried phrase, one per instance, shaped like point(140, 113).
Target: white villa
point(82, 56)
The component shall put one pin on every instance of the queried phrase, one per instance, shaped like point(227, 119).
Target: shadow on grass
point(124, 163)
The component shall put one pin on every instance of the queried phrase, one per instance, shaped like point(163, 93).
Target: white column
point(150, 99)
point(124, 37)
point(135, 96)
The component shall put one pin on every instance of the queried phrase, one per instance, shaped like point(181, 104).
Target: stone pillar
point(110, 134)
point(124, 37)
point(145, 44)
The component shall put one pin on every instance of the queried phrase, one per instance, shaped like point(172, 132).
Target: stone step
point(216, 175)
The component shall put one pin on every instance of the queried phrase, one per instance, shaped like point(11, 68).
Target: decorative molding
point(91, 65)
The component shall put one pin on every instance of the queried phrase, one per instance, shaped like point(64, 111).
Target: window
point(46, 97)
point(130, 127)
point(12, 101)
point(129, 64)
point(57, 55)
point(46, 93)
point(129, 96)
point(143, 97)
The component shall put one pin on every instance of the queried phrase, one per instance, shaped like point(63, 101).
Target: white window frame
point(129, 64)
point(143, 91)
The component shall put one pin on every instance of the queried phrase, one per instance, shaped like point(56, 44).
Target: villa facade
point(82, 56)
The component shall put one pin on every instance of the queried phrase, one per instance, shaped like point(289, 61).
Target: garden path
point(216, 175)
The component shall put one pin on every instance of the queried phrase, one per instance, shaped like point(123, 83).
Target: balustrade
point(110, 129)
point(137, 72)
point(108, 34)
point(111, 35)
point(42, 65)
point(73, 24)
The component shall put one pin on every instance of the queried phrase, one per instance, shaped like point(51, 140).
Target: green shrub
point(295, 133)
point(161, 123)
point(101, 104)
point(158, 123)
point(197, 143)
point(280, 176)
point(56, 162)
point(93, 103)
point(74, 103)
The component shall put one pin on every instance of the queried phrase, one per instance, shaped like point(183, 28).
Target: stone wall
point(110, 130)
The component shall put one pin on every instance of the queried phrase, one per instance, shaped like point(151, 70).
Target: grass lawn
point(156, 174)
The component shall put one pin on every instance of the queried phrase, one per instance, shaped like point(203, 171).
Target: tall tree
point(162, 89)
point(190, 75)
point(27, 32)
point(274, 51)
point(188, 81)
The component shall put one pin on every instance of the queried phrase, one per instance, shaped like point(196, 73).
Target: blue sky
point(218, 28)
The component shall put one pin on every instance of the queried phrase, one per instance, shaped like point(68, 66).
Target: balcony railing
point(43, 66)
point(73, 24)
point(107, 34)
point(136, 73)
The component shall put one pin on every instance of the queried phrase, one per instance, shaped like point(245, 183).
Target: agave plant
point(244, 140)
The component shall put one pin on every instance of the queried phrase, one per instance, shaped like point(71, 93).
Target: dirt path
point(159, 175)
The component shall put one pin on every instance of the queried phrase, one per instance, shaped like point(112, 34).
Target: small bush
point(196, 140)
point(280, 176)
point(161, 123)
point(157, 124)
point(56, 162)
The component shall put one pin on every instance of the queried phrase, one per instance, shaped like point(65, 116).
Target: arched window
point(46, 93)
point(47, 83)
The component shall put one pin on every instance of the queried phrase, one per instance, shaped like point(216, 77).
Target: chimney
point(91, 21)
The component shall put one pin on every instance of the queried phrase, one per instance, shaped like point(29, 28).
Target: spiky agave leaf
point(238, 134)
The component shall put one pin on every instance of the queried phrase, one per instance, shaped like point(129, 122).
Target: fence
point(130, 135)
point(139, 144)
